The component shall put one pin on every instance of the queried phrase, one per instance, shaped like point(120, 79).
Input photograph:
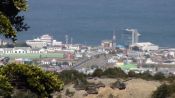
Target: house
point(16, 50)
point(107, 44)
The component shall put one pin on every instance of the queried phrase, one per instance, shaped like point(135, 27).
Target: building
point(15, 50)
point(47, 38)
point(146, 46)
point(43, 41)
point(54, 49)
point(56, 43)
point(36, 43)
point(107, 44)
point(75, 47)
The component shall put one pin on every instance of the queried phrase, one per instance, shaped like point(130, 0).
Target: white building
point(146, 46)
point(107, 44)
point(43, 41)
point(36, 43)
point(21, 50)
point(56, 43)
point(17, 50)
point(54, 49)
point(75, 47)
point(46, 38)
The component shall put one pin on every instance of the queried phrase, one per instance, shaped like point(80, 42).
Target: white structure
point(146, 46)
point(54, 49)
point(78, 55)
point(111, 60)
point(43, 41)
point(107, 44)
point(21, 50)
point(47, 38)
point(76, 47)
point(114, 40)
point(56, 43)
point(66, 39)
point(150, 61)
point(135, 35)
point(36, 43)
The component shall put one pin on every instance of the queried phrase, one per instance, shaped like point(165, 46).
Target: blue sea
point(90, 21)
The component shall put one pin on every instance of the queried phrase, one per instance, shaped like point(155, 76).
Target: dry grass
point(135, 88)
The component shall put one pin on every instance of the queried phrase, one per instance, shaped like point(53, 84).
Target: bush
point(132, 74)
point(146, 75)
point(159, 76)
point(97, 73)
point(161, 92)
point(114, 73)
point(33, 78)
point(69, 76)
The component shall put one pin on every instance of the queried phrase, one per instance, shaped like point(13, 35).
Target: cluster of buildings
point(45, 50)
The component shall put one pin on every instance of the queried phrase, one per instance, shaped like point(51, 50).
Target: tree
point(69, 76)
point(161, 92)
point(97, 73)
point(10, 20)
point(132, 74)
point(159, 76)
point(29, 77)
point(114, 73)
point(5, 86)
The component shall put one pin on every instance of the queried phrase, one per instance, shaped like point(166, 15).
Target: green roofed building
point(34, 55)
point(128, 66)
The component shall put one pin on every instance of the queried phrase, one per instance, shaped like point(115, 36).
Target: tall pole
point(133, 37)
point(66, 38)
point(114, 39)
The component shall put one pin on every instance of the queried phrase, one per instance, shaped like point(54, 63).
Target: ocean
point(90, 21)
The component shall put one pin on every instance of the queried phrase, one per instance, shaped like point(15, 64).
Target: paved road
point(100, 61)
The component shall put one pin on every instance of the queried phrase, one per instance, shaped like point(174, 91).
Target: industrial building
point(146, 46)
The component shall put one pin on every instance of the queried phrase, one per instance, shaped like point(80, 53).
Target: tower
point(114, 40)
point(135, 35)
point(66, 39)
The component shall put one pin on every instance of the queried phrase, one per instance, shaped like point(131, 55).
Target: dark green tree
point(33, 78)
point(161, 92)
point(114, 73)
point(10, 20)
point(5, 86)
point(98, 73)
point(159, 76)
point(73, 76)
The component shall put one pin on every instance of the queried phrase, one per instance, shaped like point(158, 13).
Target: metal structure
point(114, 39)
point(66, 39)
point(135, 35)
